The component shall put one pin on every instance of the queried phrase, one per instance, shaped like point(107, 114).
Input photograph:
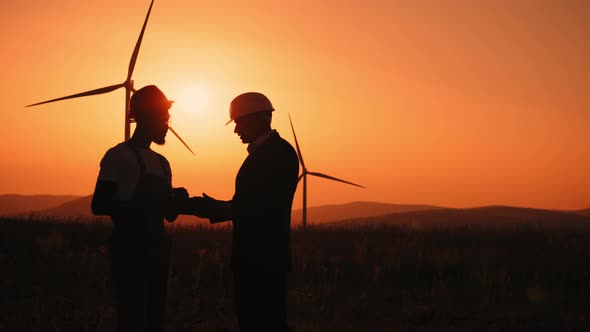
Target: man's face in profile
point(249, 127)
point(157, 124)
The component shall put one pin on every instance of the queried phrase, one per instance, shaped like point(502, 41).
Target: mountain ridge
point(358, 209)
point(584, 212)
point(15, 204)
point(487, 216)
point(71, 206)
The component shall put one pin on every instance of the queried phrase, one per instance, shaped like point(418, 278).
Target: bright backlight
point(192, 99)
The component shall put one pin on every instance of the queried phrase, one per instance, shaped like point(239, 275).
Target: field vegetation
point(364, 278)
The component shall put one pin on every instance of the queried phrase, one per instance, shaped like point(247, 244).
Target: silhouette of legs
point(140, 280)
point(157, 291)
point(260, 300)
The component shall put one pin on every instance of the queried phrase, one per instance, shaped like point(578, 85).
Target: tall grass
point(55, 278)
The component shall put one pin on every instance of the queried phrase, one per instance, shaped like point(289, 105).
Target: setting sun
point(192, 99)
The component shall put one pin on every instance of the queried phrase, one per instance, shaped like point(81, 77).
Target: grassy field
point(55, 278)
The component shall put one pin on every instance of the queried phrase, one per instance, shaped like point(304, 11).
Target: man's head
point(252, 113)
point(149, 107)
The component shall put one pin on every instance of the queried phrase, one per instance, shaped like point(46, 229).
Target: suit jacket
point(261, 207)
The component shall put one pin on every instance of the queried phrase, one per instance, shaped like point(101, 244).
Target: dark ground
point(55, 278)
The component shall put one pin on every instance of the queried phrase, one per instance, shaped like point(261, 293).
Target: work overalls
point(140, 251)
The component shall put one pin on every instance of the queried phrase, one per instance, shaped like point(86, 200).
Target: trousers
point(260, 300)
point(140, 279)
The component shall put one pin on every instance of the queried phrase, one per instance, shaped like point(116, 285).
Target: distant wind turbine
point(306, 172)
point(127, 84)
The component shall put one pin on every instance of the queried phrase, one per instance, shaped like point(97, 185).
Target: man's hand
point(206, 207)
point(173, 201)
point(218, 210)
point(179, 194)
point(193, 206)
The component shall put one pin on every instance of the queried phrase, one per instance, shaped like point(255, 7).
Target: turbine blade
point(300, 177)
point(138, 44)
point(83, 94)
point(182, 141)
point(333, 178)
point(296, 143)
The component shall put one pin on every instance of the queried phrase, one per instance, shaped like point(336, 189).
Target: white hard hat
point(248, 103)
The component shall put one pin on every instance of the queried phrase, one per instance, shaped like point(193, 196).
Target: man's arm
point(206, 207)
point(103, 202)
point(218, 210)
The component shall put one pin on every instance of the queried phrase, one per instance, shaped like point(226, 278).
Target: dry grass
point(365, 279)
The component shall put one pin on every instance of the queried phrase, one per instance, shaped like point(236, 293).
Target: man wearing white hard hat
point(260, 211)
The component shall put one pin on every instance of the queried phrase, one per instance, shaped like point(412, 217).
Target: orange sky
point(452, 103)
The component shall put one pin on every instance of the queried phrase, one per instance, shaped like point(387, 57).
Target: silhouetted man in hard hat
point(134, 188)
point(261, 214)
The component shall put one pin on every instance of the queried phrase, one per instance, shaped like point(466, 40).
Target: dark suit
point(261, 248)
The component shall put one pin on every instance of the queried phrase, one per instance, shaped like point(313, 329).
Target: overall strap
point(165, 168)
point(142, 168)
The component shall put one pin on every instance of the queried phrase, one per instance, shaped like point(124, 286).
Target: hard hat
point(149, 98)
point(248, 103)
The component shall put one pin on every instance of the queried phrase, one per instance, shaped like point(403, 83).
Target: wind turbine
point(127, 84)
point(306, 172)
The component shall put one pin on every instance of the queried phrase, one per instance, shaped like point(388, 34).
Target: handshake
point(203, 207)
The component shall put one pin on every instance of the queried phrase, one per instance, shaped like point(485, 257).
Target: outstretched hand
point(179, 194)
point(172, 202)
point(193, 206)
point(205, 207)
point(209, 200)
point(218, 210)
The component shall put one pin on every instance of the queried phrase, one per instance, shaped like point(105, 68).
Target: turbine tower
point(127, 84)
point(304, 176)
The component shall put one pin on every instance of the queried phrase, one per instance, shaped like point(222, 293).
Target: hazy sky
point(452, 103)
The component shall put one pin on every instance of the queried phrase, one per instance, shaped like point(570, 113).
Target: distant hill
point(349, 214)
point(354, 210)
point(76, 206)
point(584, 212)
point(490, 216)
point(23, 204)
point(79, 207)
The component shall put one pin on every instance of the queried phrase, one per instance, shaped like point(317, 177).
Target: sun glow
point(192, 99)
